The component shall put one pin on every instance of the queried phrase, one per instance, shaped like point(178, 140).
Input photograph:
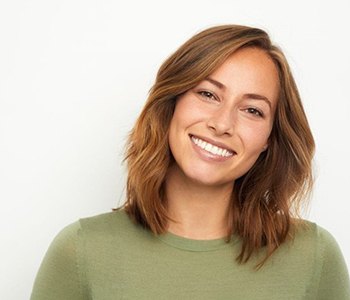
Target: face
point(221, 126)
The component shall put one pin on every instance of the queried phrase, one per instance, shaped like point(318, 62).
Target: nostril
point(220, 128)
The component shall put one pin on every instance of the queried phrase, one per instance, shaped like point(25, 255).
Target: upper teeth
point(211, 148)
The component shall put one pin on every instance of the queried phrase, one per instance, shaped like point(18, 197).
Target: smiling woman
point(229, 113)
point(219, 163)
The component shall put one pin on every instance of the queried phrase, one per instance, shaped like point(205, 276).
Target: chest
point(170, 273)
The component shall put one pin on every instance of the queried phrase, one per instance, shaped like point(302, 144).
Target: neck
point(197, 211)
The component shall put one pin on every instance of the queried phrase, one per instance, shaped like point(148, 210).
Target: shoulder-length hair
point(265, 200)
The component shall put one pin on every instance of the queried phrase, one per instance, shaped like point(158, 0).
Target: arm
point(333, 278)
point(59, 276)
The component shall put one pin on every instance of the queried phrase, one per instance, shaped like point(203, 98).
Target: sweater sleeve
point(334, 277)
point(59, 276)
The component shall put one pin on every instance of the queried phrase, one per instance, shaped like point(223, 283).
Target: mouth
point(212, 147)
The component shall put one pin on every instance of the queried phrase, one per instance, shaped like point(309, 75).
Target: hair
point(266, 201)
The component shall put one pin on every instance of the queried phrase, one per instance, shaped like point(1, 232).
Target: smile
point(213, 149)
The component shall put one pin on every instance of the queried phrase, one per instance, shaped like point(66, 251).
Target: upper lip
point(215, 143)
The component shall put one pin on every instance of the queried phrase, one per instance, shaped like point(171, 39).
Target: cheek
point(255, 138)
point(186, 113)
point(180, 121)
point(187, 104)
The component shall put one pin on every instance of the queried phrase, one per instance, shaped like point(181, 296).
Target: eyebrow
point(257, 97)
point(216, 83)
point(252, 96)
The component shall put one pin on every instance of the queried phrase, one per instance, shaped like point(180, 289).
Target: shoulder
point(116, 224)
point(112, 228)
point(309, 234)
point(326, 248)
point(107, 222)
point(313, 240)
point(330, 278)
point(95, 229)
point(320, 251)
point(64, 272)
point(309, 249)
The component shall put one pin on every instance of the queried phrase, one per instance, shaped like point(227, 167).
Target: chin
point(208, 181)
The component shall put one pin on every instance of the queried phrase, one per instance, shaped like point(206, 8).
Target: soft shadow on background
point(75, 74)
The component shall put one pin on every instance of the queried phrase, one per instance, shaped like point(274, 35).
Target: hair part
point(266, 200)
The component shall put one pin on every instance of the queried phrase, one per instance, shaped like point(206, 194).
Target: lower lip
point(207, 156)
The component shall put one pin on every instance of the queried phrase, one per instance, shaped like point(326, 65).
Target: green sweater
point(109, 257)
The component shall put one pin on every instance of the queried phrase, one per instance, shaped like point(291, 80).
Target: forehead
point(249, 70)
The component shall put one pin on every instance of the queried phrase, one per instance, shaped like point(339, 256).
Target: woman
point(219, 162)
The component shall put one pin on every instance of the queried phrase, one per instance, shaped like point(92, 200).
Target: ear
point(265, 147)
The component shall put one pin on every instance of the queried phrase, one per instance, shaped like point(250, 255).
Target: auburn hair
point(266, 201)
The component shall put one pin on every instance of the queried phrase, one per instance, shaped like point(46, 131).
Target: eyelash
point(207, 95)
point(254, 111)
point(251, 110)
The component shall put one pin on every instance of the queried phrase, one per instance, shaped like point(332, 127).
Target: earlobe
point(264, 148)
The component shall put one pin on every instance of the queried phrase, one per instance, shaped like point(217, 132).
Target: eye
point(255, 112)
point(208, 95)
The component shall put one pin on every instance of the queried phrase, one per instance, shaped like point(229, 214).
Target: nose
point(221, 121)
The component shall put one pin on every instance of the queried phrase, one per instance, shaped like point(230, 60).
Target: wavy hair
point(266, 200)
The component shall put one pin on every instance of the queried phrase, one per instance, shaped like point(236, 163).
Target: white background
point(75, 74)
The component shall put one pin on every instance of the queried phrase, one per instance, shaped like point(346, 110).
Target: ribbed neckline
point(187, 244)
point(183, 243)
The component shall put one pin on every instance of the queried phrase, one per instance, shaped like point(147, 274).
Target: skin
point(233, 108)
